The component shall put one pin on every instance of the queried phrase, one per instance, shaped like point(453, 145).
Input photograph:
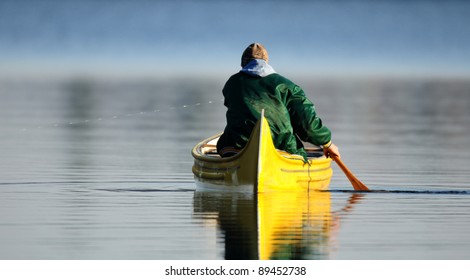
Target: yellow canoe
point(259, 167)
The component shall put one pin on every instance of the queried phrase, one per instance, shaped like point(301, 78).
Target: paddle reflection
point(277, 225)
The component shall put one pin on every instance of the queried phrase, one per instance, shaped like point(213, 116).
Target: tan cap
point(254, 51)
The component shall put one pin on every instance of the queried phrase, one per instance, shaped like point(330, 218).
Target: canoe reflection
point(277, 225)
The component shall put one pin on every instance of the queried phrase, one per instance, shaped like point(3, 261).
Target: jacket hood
point(258, 68)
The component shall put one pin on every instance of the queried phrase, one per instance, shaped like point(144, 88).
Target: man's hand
point(331, 151)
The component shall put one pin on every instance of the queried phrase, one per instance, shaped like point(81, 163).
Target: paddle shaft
point(357, 185)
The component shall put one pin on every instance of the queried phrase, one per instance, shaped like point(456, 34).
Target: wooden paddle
point(357, 185)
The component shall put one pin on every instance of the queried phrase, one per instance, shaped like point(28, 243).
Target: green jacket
point(287, 109)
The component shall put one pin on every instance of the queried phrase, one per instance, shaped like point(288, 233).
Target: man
point(291, 115)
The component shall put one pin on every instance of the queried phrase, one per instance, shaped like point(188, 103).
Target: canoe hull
point(259, 167)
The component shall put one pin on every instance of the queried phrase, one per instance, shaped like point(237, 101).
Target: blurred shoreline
point(164, 40)
point(220, 79)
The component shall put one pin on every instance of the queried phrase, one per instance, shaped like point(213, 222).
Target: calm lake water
point(95, 169)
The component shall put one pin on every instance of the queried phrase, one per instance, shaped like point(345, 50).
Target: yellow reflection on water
point(277, 225)
point(294, 225)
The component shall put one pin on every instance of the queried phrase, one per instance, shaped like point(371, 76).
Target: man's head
point(254, 51)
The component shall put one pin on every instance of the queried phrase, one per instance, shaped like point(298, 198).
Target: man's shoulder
point(280, 79)
point(239, 75)
point(272, 78)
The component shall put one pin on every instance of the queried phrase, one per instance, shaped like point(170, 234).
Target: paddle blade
point(357, 185)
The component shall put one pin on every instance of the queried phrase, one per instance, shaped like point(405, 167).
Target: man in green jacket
point(291, 115)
